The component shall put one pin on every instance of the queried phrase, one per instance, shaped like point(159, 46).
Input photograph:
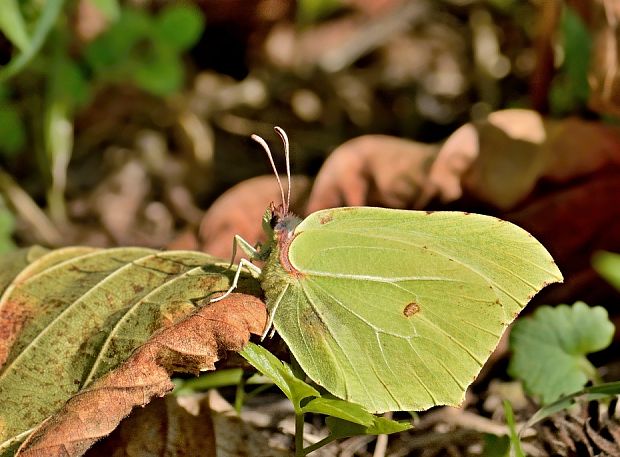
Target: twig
point(382, 441)
point(374, 35)
point(37, 221)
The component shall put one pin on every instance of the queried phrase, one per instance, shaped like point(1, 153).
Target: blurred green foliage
point(607, 264)
point(139, 47)
point(570, 89)
point(146, 49)
point(7, 224)
point(12, 130)
point(310, 11)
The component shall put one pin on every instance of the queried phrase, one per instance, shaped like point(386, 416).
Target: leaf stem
point(590, 371)
point(299, 434)
point(319, 444)
point(240, 396)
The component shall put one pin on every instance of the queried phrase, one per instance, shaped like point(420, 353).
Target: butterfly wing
point(399, 310)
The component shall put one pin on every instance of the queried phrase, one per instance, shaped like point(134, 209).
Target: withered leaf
point(239, 211)
point(75, 314)
point(500, 161)
point(162, 428)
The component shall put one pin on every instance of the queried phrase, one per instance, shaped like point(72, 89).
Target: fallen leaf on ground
point(161, 428)
point(501, 160)
point(374, 170)
point(573, 222)
point(74, 314)
point(192, 345)
point(239, 211)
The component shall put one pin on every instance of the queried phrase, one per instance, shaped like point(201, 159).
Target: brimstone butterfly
point(393, 309)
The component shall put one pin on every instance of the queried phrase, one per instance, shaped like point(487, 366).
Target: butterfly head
point(277, 220)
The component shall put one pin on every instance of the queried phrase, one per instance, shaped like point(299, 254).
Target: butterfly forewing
point(399, 310)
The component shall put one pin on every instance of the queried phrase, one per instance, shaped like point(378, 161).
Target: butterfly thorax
point(285, 226)
point(278, 271)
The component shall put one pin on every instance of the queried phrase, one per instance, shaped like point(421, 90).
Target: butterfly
point(392, 309)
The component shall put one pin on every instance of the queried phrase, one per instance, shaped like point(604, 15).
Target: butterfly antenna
point(287, 155)
point(262, 142)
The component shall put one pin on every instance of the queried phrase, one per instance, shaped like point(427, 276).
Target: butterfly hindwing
point(398, 310)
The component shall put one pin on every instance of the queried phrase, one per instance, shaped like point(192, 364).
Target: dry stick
point(382, 441)
point(470, 425)
point(611, 56)
point(349, 447)
point(374, 34)
point(201, 136)
point(443, 439)
point(29, 211)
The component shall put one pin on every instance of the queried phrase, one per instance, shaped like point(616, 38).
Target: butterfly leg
point(246, 247)
point(253, 269)
point(272, 313)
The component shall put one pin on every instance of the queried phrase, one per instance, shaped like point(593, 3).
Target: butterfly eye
point(274, 221)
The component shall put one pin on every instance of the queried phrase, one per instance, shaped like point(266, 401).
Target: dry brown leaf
point(573, 223)
point(192, 345)
point(372, 170)
point(239, 211)
point(162, 428)
point(501, 160)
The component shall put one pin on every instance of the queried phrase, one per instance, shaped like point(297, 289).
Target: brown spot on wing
point(324, 219)
point(411, 309)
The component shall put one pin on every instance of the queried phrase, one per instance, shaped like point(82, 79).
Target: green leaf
point(598, 392)
point(11, 264)
point(160, 72)
point(12, 131)
point(280, 373)
point(607, 264)
point(74, 314)
point(115, 46)
point(550, 348)
point(339, 408)
point(310, 11)
point(399, 310)
point(70, 83)
point(496, 446)
point(110, 8)
point(210, 380)
point(577, 48)
point(7, 224)
point(179, 26)
point(515, 442)
point(47, 19)
point(340, 428)
point(12, 24)
point(570, 89)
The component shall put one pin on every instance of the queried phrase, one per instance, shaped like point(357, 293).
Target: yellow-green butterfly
point(393, 309)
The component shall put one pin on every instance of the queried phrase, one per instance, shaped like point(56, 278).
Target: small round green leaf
point(550, 348)
point(161, 73)
point(116, 44)
point(179, 26)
